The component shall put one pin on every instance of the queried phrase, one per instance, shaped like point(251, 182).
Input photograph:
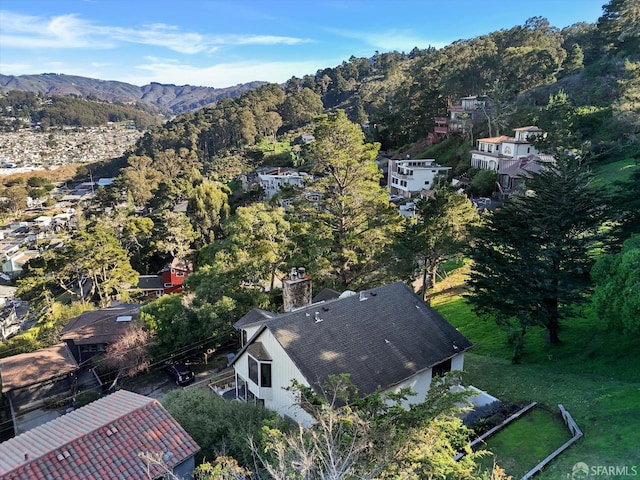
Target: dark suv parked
point(180, 373)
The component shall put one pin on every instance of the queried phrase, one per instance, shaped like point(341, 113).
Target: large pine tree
point(344, 236)
point(531, 259)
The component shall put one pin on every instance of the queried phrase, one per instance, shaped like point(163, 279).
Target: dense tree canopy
point(92, 265)
point(438, 231)
point(207, 209)
point(616, 296)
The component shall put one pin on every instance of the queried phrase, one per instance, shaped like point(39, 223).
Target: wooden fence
point(497, 428)
point(575, 431)
point(568, 420)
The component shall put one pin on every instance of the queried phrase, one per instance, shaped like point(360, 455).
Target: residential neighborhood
point(28, 150)
point(420, 263)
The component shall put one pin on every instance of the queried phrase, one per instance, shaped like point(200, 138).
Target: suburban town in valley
point(410, 265)
point(30, 150)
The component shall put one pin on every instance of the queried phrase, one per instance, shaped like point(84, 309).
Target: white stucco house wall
point(409, 177)
point(496, 153)
point(271, 183)
point(385, 337)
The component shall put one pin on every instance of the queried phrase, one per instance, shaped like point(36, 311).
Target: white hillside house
point(409, 177)
point(272, 182)
point(385, 337)
point(495, 153)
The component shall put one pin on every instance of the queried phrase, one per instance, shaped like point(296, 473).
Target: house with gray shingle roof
point(101, 440)
point(385, 338)
point(88, 334)
point(29, 380)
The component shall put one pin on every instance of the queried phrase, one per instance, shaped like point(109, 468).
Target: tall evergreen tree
point(350, 228)
point(438, 231)
point(531, 259)
point(208, 208)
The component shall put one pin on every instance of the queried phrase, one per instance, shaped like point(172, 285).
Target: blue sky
point(223, 43)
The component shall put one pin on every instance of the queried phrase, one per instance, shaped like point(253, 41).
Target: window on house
point(241, 388)
point(441, 368)
point(168, 285)
point(253, 370)
point(426, 182)
point(265, 374)
point(180, 274)
point(260, 372)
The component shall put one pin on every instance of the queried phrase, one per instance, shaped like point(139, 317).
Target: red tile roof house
point(102, 440)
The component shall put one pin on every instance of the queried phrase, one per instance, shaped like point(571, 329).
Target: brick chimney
point(296, 290)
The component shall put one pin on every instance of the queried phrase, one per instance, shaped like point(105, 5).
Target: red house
point(174, 274)
point(169, 280)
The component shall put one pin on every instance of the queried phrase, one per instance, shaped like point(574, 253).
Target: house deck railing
point(223, 381)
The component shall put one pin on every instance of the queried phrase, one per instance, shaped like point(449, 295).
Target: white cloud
point(70, 31)
point(65, 31)
point(389, 40)
point(222, 75)
point(7, 68)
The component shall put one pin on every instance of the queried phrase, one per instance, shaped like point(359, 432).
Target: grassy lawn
point(610, 172)
point(522, 444)
point(593, 373)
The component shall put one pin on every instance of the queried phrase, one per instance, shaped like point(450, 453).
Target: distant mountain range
point(165, 98)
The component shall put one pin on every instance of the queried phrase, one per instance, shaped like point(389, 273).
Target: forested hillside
point(584, 76)
point(550, 277)
point(25, 109)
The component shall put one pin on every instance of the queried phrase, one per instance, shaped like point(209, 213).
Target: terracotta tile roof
point(99, 441)
point(30, 368)
point(99, 326)
point(500, 139)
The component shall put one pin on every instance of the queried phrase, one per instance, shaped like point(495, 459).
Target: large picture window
point(265, 375)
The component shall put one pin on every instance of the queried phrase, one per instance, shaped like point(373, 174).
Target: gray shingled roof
point(325, 295)
point(99, 326)
point(381, 337)
point(257, 315)
point(150, 282)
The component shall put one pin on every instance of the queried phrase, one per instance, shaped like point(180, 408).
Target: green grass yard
point(594, 373)
point(525, 442)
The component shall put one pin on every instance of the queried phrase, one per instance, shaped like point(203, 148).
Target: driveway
point(156, 383)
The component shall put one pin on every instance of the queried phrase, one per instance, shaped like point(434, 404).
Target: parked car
point(180, 373)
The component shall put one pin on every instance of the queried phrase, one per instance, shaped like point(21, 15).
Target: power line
point(152, 366)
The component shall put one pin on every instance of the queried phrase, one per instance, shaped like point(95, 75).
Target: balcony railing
point(223, 382)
